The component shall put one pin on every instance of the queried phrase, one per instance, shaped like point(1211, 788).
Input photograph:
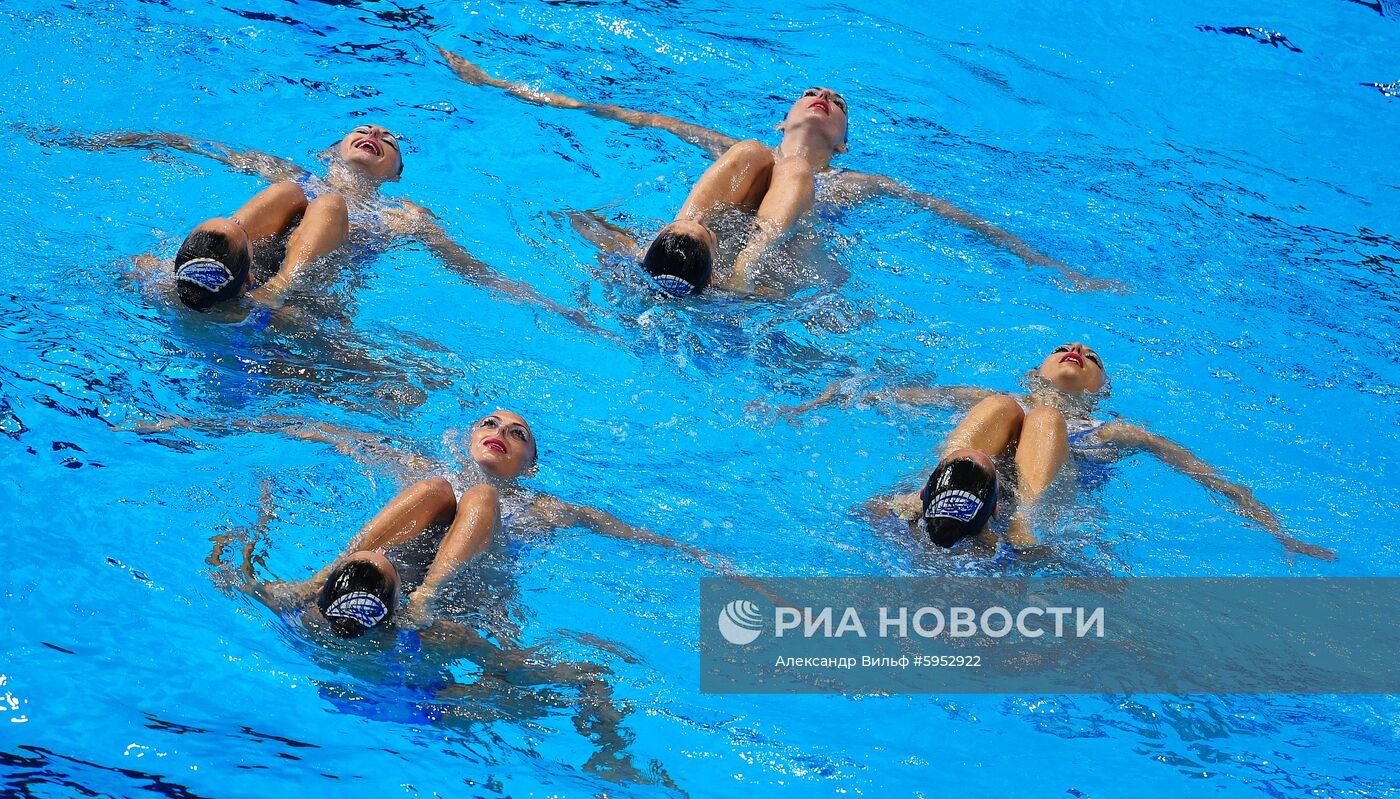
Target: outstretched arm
point(428, 230)
point(276, 594)
point(372, 450)
point(1188, 463)
point(711, 141)
point(844, 391)
point(556, 513)
point(253, 162)
point(868, 187)
point(604, 235)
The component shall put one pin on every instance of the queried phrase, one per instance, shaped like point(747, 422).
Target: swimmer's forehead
point(365, 128)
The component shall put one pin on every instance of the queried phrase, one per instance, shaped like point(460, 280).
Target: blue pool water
point(1247, 191)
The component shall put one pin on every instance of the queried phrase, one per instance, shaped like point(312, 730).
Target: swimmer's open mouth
point(822, 104)
point(369, 145)
point(495, 445)
point(1073, 356)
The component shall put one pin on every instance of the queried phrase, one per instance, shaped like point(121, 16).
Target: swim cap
point(679, 264)
point(958, 500)
point(210, 267)
point(355, 597)
point(205, 273)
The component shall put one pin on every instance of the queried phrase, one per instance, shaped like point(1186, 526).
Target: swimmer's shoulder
point(540, 504)
point(412, 207)
point(405, 217)
point(536, 511)
point(847, 187)
point(1117, 433)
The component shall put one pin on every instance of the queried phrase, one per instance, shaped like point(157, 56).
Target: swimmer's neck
point(807, 144)
point(351, 183)
point(471, 473)
point(1073, 406)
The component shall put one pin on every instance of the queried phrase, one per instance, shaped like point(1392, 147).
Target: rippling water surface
point(1234, 164)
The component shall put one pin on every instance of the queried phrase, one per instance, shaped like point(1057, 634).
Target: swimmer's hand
point(476, 76)
point(1260, 514)
point(1076, 282)
point(738, 285)
point(466, 70)
point(711, 561)
point(841, 391)
point(581, 320)
point(1071, 279)
point(1297, 547)
point(606, 236)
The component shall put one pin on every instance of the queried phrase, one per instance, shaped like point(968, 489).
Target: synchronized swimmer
point(500, 450)
point(359, 596)
point(263, 249)
point(779, 185)
point(1039, 432)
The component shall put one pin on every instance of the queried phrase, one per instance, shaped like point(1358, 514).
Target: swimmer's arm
point(253, 162)
point(939, 396)
point(1132, 437)
point(711, 141)
point(556, 513)
point(868, 187)
point(275, 594)
point(604, 235)
point(456, 257)
point(597, 717)
point(843, 391)
point(905, 507)
point(367, 448)
point(456, 639)
point(838, 391)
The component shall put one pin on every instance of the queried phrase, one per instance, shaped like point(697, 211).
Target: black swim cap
point(356, 596)
point(210, 268)
point(959, 499)
point(680, 264)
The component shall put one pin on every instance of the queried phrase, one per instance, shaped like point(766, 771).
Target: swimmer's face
point(503, 444)
point(823, 109)
point(374, 151)
point(1074, 367)
point(695, 230)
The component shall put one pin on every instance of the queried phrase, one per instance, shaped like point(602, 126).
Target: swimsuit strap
point(1077, 437)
